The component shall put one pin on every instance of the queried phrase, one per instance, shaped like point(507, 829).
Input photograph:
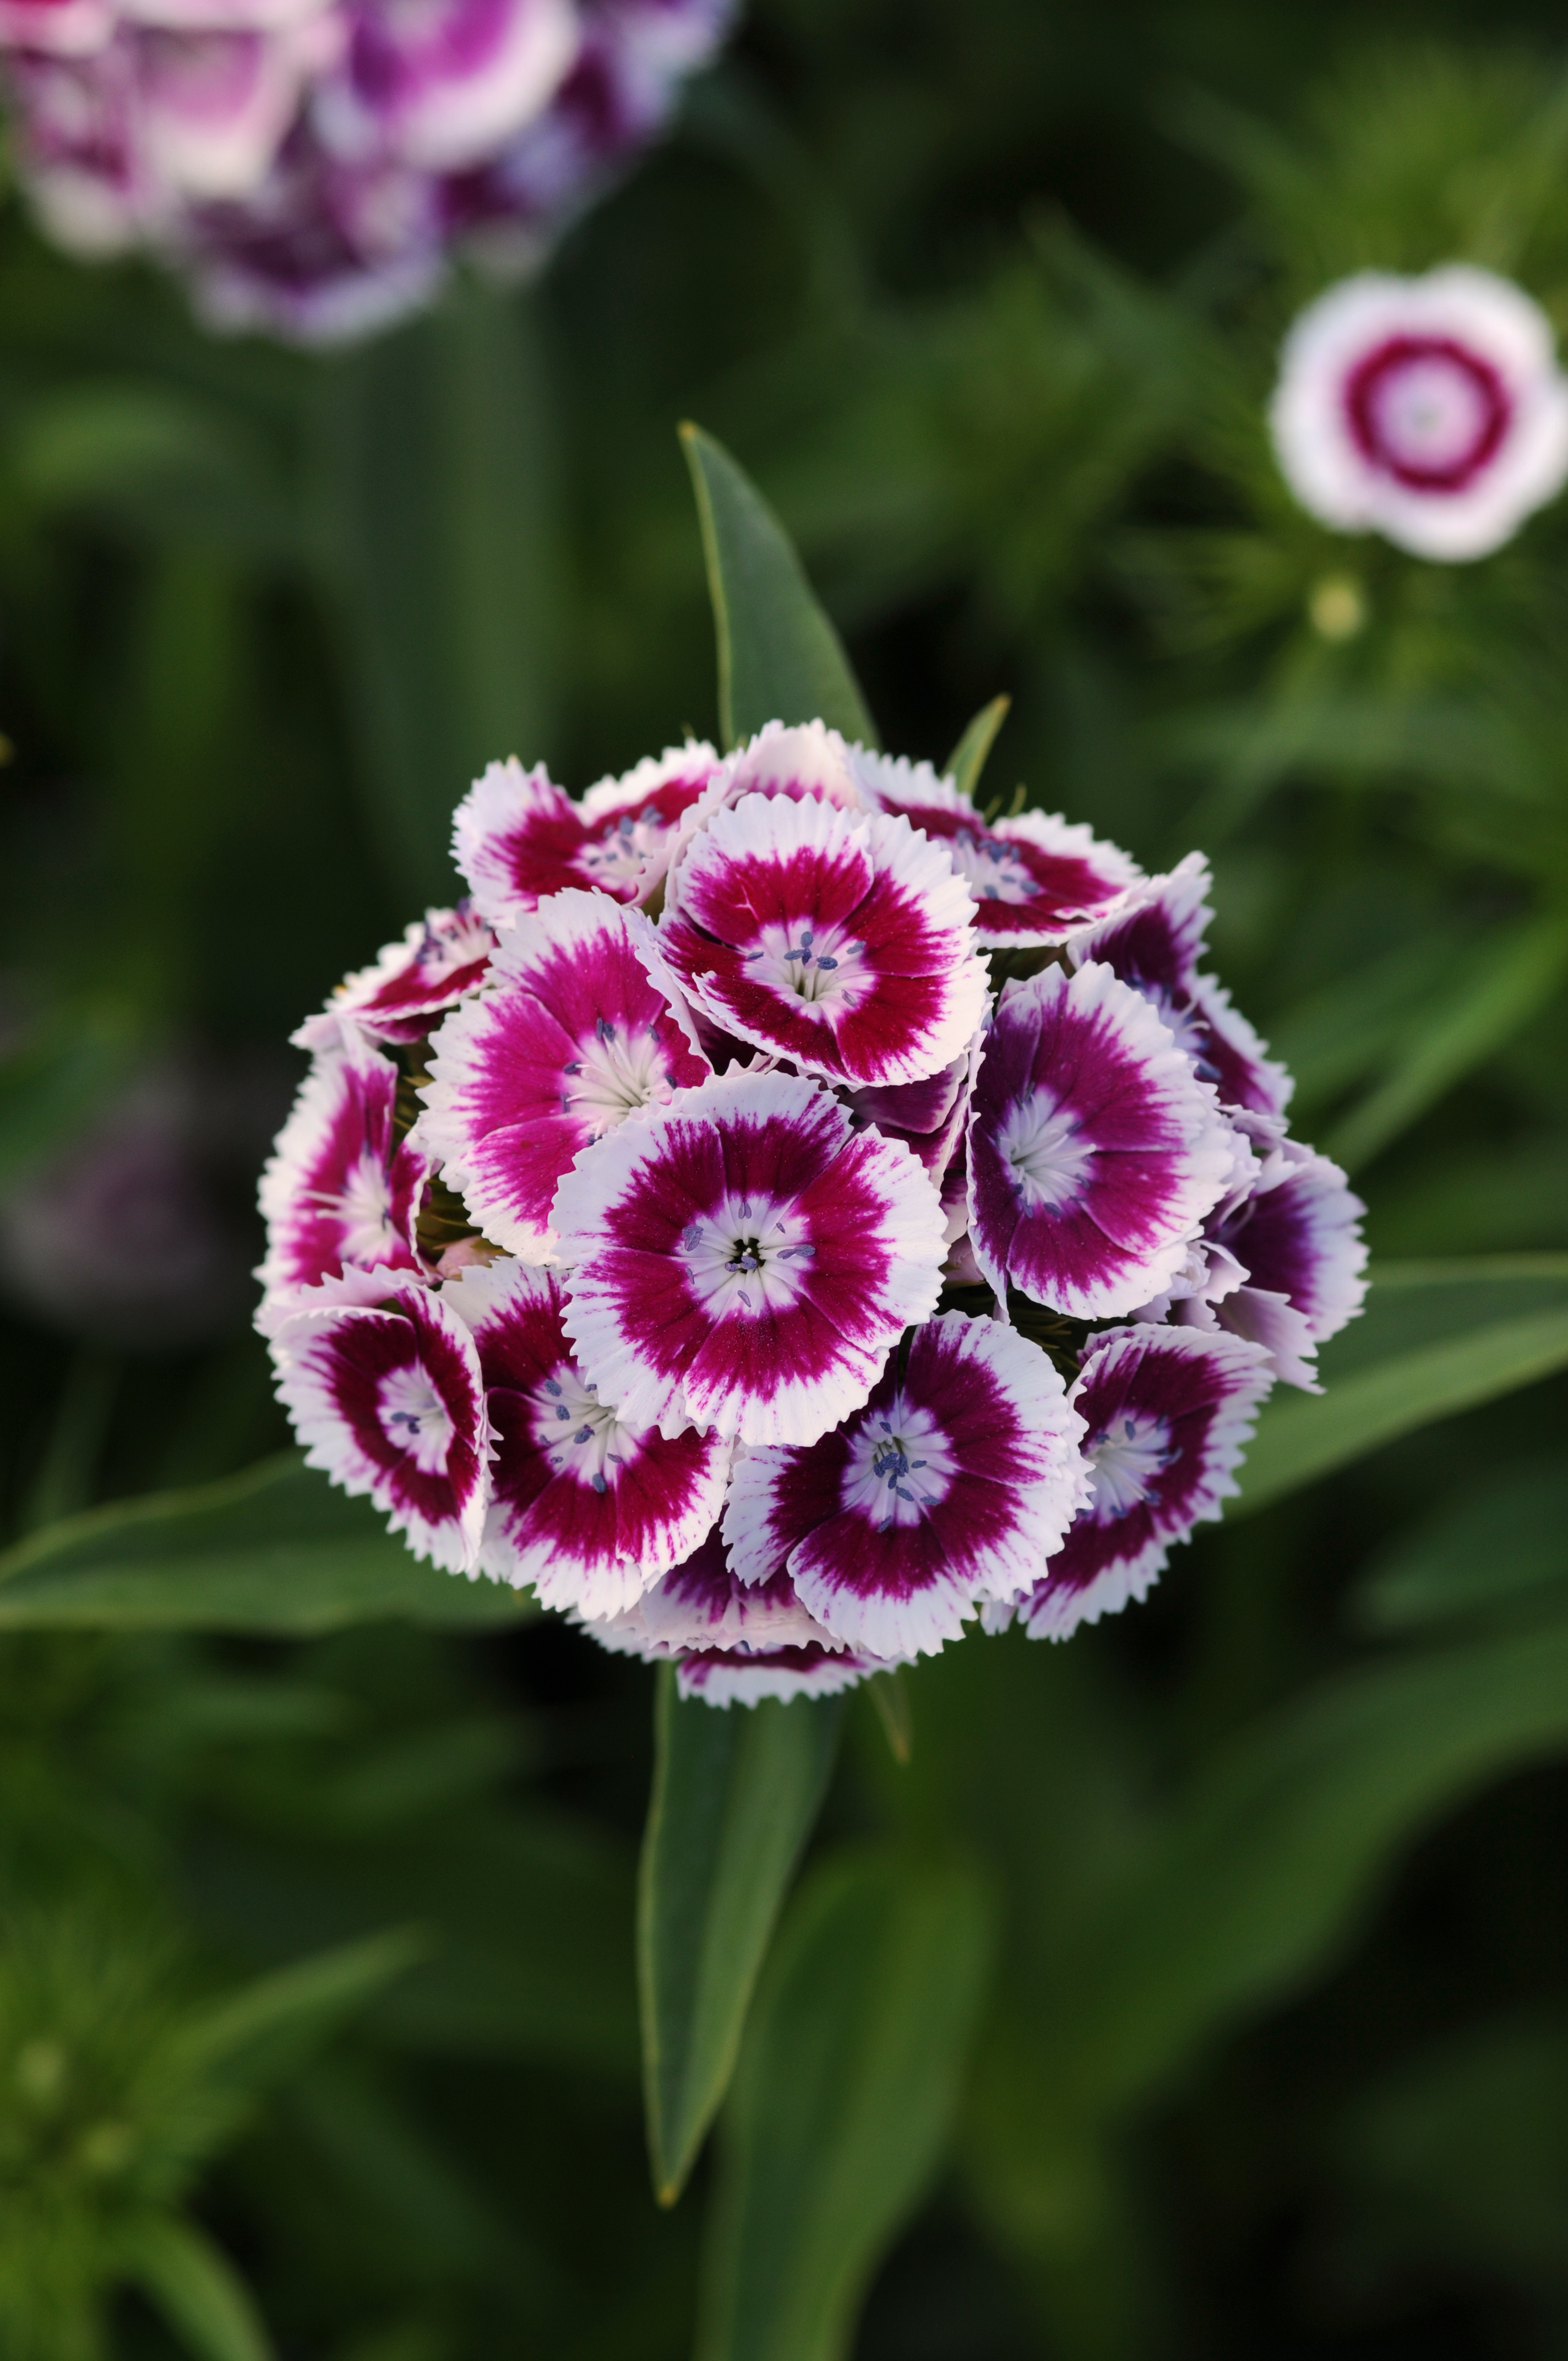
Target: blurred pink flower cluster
point(310, 163)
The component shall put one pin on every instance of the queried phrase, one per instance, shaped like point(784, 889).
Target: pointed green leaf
point(1497, 993)
point(1496, 1550)
point(263, 2030)
point(969, 757)
point(196, 2289)
point(1430, 1344)
point(735, 1795)
point(274, 1549)
point(1260, 1872)
point(843, 2103)
point(780, 659)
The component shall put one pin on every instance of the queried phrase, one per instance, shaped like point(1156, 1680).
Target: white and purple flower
point(953, 1485)
point(382, 1381)
point(411, 984)
point(580, 1025)
point(310, 163)
point(1169, 1414)
point(584, 1507)
point(518, 838)
point(663, 1305)
point(343, 1187)
point(1430, 411)
point(742, 1259)
point(840, 943)
point(1034, 877)
point(1095, 1150)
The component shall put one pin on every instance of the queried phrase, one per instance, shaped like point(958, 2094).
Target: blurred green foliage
point(1194, 1989)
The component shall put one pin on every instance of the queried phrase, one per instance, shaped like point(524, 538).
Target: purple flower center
point(823, 970)
point(1428, 412)
point(451, 943)
point(579, 1435)
point(362, 1205)
point(413, 1417)
point(748, 1256)
point(1041, 1145)
point(621, 850)
point(900, 1466)
point(617, 1069)
point(1128, 1457)
point(991, 868)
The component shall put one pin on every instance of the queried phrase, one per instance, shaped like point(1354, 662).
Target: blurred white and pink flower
point(734, 1257)
point(310, 163)
point(1430, 411)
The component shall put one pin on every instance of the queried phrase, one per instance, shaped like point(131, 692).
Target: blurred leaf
point(780, 659)
point(451, 565)
point(1503, 1545)
point(263, 2031)
point(1463, 2150)
point(1460, 1367)
point(196, 2289)
point(1501, 991)
point(735, 1795)
point(968, 759)
point(172, 467)
point(1259, 1873)
point(274, 1549)
point(842, 2104)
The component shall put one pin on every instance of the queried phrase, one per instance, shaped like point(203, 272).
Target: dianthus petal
point(744, 1260)
point(841, 943)
point(954, 1484)
point(382, 1382)
point(580, 1025)
point(340, 1190)
point(1094, 1149)
point(588, 1510)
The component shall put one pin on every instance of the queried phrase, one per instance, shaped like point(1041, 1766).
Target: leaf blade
point(780, 658)
point(843, 2103)
point(274, 1549)
point(735, 1795)
point(196, 2289)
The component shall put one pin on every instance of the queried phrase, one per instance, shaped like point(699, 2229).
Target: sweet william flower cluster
point(783, 1216)
point(310, 163)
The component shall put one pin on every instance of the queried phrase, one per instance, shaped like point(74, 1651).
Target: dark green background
point(986, 299)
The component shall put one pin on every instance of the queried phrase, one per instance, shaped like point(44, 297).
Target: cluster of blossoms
point(310, 163)
point(782, 1216)
point(1429, 410)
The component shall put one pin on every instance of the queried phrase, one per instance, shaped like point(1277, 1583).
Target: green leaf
point(448, 557)
point(1499, 993)
point(1498, 1548)
point(969, 757)
point(1262, 1871)
point(1460, 1363)
point(274, 1549)
point(196, 2289)
point(780, 659)
point(735, 1795)
point(264, 2030)
point(843, 2104)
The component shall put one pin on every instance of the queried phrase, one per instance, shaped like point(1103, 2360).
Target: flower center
point(455, 942)
point(614, 1072)
point(990, 868)
point(1126, 1458)
point(900, 1466)
point(364, 1208)
point(1428, 412)
point(748, 1256)
point(821, 971)
point(622, 848)
point(414, 1418)
point(579, 1435)
point(1040, 1143)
